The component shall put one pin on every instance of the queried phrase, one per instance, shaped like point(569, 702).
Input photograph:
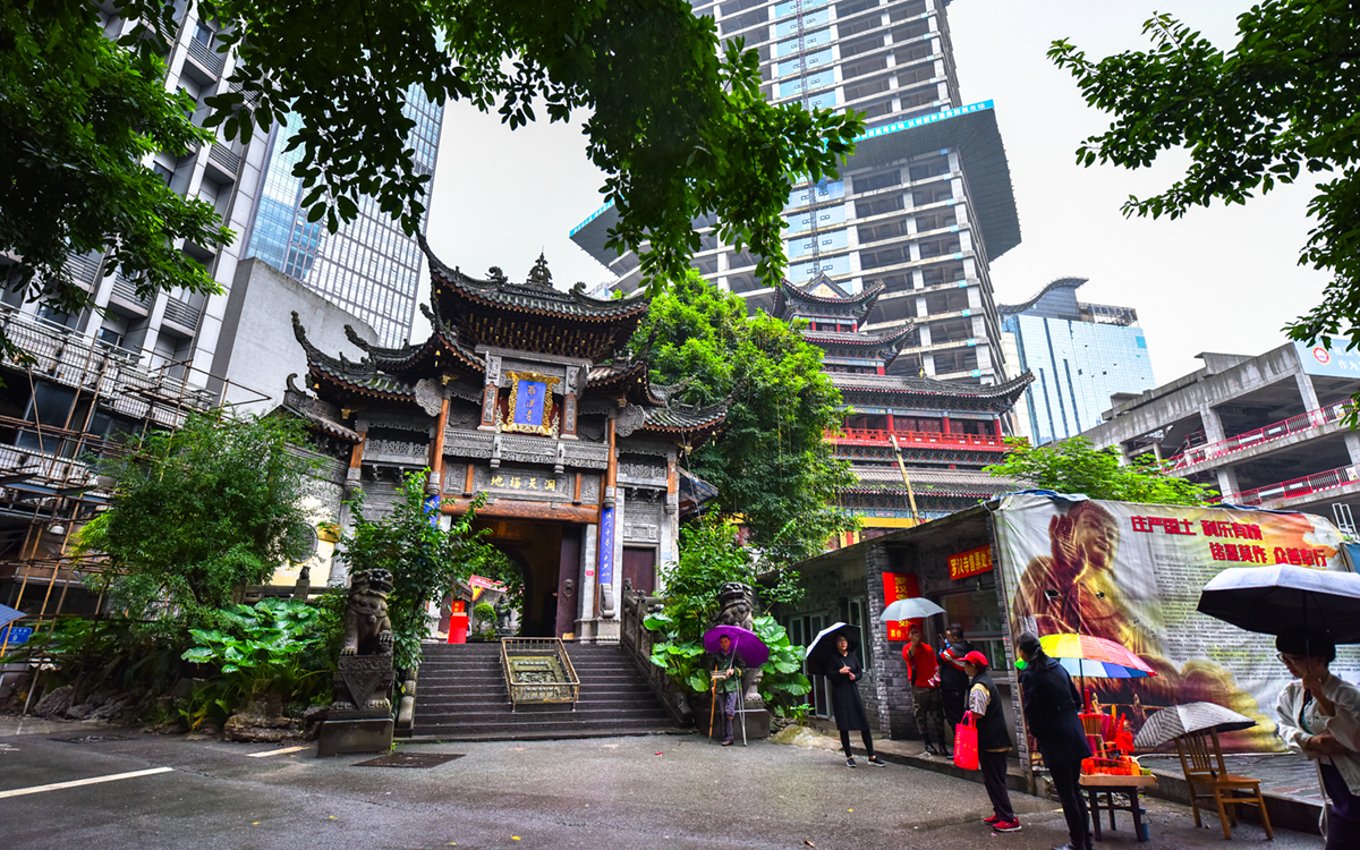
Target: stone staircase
point(461, 696)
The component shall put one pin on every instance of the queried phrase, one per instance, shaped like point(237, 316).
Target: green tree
point(1277, 105)
point(77, 115)
point(678, 125)
point(771, 465)
point(1074, 466)
point(709, 558)
point(425, 560)
point(199, 512)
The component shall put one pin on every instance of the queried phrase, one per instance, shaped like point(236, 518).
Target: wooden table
point(1129, 787)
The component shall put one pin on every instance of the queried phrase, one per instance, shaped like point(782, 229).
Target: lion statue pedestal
point(359, 719)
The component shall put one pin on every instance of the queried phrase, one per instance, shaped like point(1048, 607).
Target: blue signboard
point(1335, 362)
point(529, 403)
point(606, 547)
point(15, 635)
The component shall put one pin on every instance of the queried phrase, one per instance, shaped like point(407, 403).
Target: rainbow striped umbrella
point(1086, 656)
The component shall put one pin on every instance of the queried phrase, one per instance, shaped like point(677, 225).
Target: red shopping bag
point(966, 743)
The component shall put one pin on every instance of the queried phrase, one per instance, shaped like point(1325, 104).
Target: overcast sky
point(1221, 279)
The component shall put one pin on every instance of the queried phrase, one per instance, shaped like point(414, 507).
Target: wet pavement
point(673, 791)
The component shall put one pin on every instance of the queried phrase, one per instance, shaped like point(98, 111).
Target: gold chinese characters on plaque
point(530, 406)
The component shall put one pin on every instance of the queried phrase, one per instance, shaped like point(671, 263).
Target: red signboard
point(899, 586)
point(971, 563)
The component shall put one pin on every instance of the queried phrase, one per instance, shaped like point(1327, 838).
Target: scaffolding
point(49, 483)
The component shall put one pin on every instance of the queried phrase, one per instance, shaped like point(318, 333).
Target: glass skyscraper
point(370, 267)
point(1080, 354)
point(922, 207)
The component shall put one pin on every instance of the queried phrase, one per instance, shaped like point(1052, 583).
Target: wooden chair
point(1209, 781)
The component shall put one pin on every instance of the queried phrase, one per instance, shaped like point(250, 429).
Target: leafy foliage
point(771, 464)
point(1277, 105)
point(425, 560)
point(199, 512)
point(77, 115)
point(277, 647)
point(709, 558)
point(1074, 466)
point(678, 125)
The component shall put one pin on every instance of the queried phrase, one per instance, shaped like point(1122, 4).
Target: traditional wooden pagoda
point(521, 393)
point(942, 432)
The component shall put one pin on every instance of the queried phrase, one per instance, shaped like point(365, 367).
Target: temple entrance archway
point(548, 555)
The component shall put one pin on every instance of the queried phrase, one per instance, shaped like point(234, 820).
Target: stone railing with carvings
point(637, 643)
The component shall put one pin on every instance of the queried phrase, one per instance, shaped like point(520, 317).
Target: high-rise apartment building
point(1080, 354)
point(921, 208)
point(369, 267)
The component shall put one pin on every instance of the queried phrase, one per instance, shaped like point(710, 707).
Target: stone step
point(434, 736)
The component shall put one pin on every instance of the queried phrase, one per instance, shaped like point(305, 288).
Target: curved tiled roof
point(908, 385)
point(863, 301)
point(634, 378)
point(357, 378)
point(695, 423)
point(866, 339)
point(534, 297)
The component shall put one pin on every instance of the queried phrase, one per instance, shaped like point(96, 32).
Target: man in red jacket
point(923, 674)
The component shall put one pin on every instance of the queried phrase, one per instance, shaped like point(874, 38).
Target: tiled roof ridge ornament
point(539, 275)
point(494, 273)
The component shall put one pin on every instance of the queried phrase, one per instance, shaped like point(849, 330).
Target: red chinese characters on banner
point(971, 563)
point(1237, 553)
point(899, 586)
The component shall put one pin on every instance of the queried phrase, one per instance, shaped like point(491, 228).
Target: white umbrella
point(914, 608)
point(1284, 598)
point(824, 644)
point(1176, 720)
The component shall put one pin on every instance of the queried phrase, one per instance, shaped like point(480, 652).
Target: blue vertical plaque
point(606, 575)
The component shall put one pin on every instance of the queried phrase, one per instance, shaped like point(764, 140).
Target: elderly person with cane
point(1052, 705)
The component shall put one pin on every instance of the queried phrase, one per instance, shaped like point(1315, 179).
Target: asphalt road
point(652, 792)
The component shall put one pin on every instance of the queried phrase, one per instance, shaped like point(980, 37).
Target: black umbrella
point(1284, 598)
point(822, 652)
point(1176, 720)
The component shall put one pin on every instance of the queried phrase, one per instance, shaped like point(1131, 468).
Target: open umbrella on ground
point(748, 646)
point(914, 608)
point(1176, 720)
point(1283, 598)
point(823, 647)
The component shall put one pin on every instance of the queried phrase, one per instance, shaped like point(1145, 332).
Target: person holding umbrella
point(1052, 705)
point(994, 741)
point(726, 685)
point(846, 704)
point(924, 677)
point(1318, 714)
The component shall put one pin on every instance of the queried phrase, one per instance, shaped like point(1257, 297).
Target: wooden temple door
point(568, 580)
point(639, 569)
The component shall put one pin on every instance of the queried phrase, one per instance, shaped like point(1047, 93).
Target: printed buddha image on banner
point(1132, 573)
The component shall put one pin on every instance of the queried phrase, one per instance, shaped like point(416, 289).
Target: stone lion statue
point(736, 605)
point(368, 629)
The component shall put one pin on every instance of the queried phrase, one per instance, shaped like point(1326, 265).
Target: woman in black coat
point(1051, 712)
point(844, 672)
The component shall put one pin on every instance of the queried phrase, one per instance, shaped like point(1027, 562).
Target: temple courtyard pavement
point(68, 786)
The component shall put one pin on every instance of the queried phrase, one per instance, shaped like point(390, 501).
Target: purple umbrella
point(747, 644)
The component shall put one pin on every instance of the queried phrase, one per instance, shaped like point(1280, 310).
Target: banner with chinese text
point(1132, 573)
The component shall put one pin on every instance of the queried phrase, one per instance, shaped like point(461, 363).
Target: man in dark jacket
point(1051, 712)
point(953, 680)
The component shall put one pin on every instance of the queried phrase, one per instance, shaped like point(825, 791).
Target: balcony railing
point(1196, 455)
point(127, 291)
point(882, 437)
point(225, 158)
point(210, 59)
point(181, 313)
point(1298, 488)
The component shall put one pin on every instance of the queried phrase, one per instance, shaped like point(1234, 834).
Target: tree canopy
point(1278, 105)
point(771, 465)
point(1074, 466)
point(77, 115)
point(678, 125)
